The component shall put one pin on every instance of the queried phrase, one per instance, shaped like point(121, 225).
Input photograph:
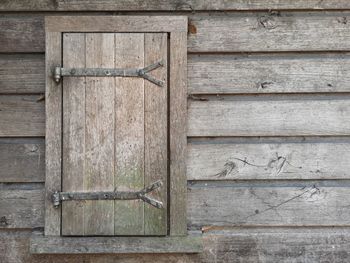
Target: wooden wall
point(268, 127)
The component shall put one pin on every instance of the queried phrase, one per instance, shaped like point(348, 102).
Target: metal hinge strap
point(109, 72)
point(58, 197)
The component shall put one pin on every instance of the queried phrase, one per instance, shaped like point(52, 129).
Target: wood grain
point(260, 159)
point(22, 116)
point(269, 115)
point(156, 133)
point(22, 160)
point(99, 134)
point(279, 73)
point(21, 208)
point(290, 204)
point(74, 134)
point(22, 34)
point(236, 245)
point(242, 32)
point(154, 5)
point(216, 74)
point(129, 135)
point(53, 138)
point(177, 129)
point(261, 32)
point(115, 245)
point(23, 73)
point(224, 204)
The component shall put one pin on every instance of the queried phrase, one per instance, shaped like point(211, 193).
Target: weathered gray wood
point(21, 208)
point(53, 138)
point(116, 23)
point(156, 133)
point(320, 159)
point(269, 115)
point(294, 204)
point(22, 73)
point(269, 32)
point(74, 135)
point(22, 160)
point(236, 245)
point(22, 115)
point(245, 32)
point(99, 135)
point(129, 134)
point(22, 34)
point(110, 245)
point(216, 73)
point(177, 127)
point(268, 73)
point(169, 5)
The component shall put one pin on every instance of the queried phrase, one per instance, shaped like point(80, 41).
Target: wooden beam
point(112, 245)
point(168, 5)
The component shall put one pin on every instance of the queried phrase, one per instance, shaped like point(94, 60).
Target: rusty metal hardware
point(109, 72)
point(58, 197)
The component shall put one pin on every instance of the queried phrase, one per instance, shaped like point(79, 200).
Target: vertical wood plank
point(73, 134)
point(156, 133)
point(53, 99)
point(129, 134)
point(99, 142)
point(178, 140)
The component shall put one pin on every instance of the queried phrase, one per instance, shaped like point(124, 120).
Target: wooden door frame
point(176, 27)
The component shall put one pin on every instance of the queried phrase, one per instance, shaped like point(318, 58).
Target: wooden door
point(114, 134)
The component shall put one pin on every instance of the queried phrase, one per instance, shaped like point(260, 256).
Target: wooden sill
point(114, 245)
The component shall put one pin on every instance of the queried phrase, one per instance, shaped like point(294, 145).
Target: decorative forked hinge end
point(56, 199)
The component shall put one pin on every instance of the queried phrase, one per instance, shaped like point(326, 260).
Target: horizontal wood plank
point(295, 204)
point(21, 208)
point(241, 32)
point(281, 73)
point(22, 73)
point(221, 204)
point(22, 34)
point(22, 116)
point(169, 5)
point(215, 74)
point(264, 115)
point(237, 245)
point(251, 159)
point(115, 245)
point(283, 115)
point(260, 32)
point(22, 160)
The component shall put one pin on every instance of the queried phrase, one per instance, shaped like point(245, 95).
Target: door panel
point(114, 133)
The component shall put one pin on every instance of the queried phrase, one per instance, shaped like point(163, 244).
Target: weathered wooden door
point(114, 135)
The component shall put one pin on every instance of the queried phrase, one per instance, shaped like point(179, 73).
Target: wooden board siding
point(22, 73)
point(294, 187)
point(22, 160)
point(22, 115)
point(269, 159)
point(264, 115)
point(233, 32)
point(268, 73)
point(251, 245)
point(169, 5)
point(215, 74)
